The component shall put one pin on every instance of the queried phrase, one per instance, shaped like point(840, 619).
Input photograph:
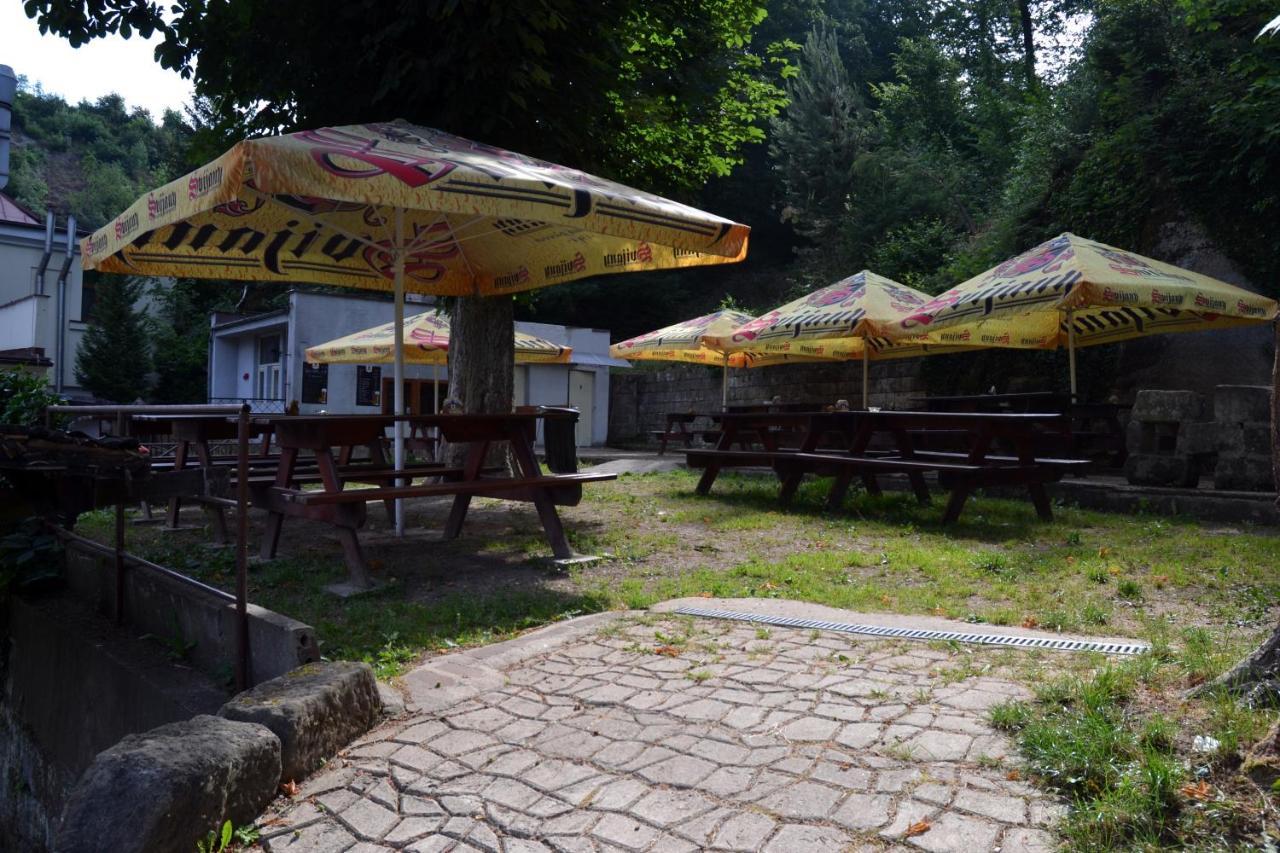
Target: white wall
point(20, 251)
point(315, 318)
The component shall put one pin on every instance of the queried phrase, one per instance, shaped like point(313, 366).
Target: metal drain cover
point(1051, 643)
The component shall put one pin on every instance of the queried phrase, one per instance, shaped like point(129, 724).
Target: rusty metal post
point(243, 674)
point(119, 554)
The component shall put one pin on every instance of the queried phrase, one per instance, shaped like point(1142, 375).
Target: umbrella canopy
point(393, 206)
point(842, 321)
point(426, 341)
point(684, 341)
point(1080, 292)
point(1073, 287)
point(318, 206)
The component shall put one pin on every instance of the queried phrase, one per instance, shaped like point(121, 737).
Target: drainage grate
point(1051, 643)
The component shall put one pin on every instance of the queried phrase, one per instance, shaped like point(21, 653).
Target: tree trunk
point(1257, 677)
point(1028, 42)
point(482, 355)
point(1275, 412)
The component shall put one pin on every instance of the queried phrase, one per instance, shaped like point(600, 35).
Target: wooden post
point(119, 549)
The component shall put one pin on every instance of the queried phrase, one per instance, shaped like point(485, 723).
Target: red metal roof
point(12, 213)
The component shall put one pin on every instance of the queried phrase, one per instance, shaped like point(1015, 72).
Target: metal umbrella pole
point(398, 406)
point(866, 374)
point(1071, 352)
point(724, 383)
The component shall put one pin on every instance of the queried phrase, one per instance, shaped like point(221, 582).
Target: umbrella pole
point(398, 428)
point(1071, 353)
point(866, 375)
point(724, 384)
point(435, 402)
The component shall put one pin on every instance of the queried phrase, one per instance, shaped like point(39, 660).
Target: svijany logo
point(202, 183)
point(159, 205)
point(641, 254)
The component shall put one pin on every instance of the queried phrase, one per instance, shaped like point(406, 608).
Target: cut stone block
point(1168, 407)
point(163, 790)
point(1244, 473)
point(1234, 404)
point(315, 710)
point(1148, 469)
point(1205, 438)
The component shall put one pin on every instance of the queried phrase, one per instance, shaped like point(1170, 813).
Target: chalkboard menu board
point(368, 386)
point(315, 383)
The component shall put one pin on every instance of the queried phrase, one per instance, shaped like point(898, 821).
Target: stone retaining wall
point(639, 399)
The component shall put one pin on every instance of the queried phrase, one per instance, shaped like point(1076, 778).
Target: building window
point(88, 298)
point(269, 377)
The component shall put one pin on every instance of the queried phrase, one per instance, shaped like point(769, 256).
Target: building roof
point(12, 213)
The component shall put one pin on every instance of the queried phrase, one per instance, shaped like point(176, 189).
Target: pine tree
point(114, 356)
point(816, 141)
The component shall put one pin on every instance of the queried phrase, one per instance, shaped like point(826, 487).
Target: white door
point(582, 396)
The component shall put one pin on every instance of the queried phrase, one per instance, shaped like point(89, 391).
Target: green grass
point(1093, 736)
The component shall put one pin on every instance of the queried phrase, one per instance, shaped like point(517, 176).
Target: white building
point(260, 359)
point(44, 305)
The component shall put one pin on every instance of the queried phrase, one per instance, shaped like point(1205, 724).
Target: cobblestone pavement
point(667, 735)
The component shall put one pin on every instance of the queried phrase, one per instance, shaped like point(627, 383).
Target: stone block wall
point(1175, 437)
point(639, 399)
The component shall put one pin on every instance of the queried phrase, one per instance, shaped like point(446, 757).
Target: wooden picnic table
point(1096, 428)
point(195, 432)
point(344, 508)
point(840, 444)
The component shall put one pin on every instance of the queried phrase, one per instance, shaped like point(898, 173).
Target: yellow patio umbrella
point(840, 322)
point(426, 341)
point(687, 341)
point(396, 207)
point(1077, 292)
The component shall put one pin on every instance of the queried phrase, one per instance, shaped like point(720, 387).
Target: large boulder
point(315, 710)
point(163, 790)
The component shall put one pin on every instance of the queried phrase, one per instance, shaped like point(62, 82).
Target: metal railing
point(257, 405)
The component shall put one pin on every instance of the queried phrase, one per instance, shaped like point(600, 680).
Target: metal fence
point(257, 405)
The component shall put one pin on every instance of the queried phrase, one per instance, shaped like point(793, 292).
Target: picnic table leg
point(551, 524)
point(955, 503)
point(217, 515)
point(378, 457)
point(793, 478)
point(357, 569)
point(275, 520)
point(662, 441)
point(175, 502)
point(1040, 499)
point(458, 512)
point(840, 488)
point(857, 447)
point(908, 451)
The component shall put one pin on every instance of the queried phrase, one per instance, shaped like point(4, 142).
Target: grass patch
point(1133, 780)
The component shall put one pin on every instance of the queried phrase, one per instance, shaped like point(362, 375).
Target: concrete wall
point(641, 399)
point(74, 686)
point(20, 250)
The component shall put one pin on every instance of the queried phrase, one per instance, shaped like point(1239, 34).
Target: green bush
point(24, 396)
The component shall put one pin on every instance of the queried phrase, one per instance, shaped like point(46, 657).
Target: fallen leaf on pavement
point(289, 789)
point(918, 828)
point(669, 651)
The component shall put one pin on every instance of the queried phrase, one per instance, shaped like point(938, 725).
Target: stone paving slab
point(661, 733)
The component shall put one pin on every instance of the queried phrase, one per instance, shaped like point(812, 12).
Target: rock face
point(315, 710)
point(163, 790)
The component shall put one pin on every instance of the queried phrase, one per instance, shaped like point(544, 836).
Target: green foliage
point(114, 356)
point(24, 396)
point(91, 159)
point(661, 92)
point(29, 555)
